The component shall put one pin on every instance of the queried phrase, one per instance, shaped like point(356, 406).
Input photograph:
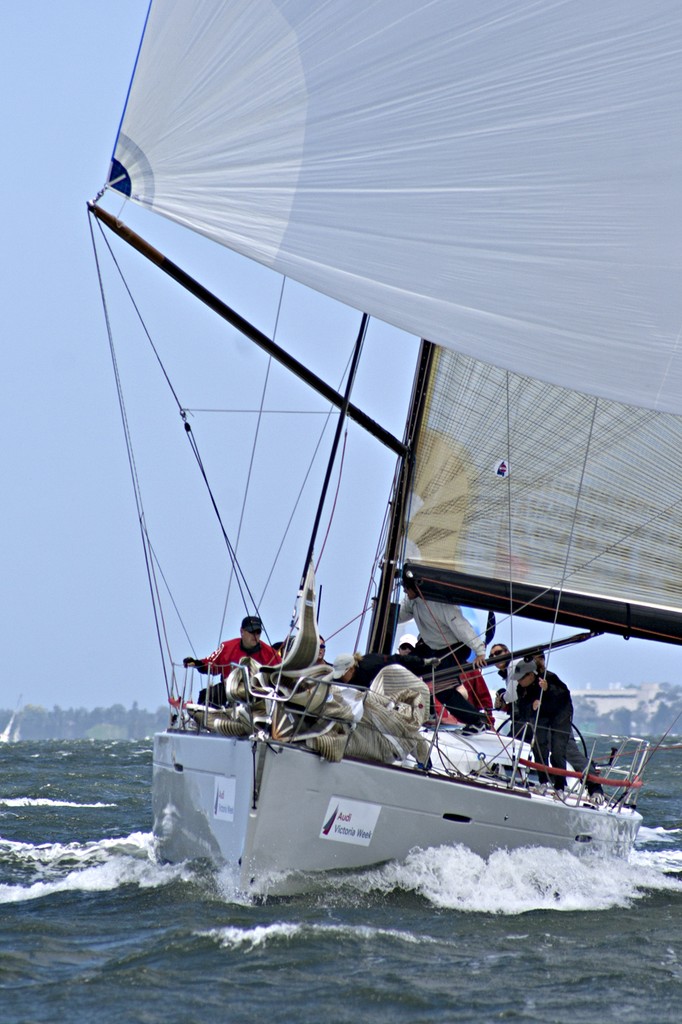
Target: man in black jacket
point(549, 702)
point(575, 756)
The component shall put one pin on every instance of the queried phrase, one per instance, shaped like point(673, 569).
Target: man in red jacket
point(230, 652)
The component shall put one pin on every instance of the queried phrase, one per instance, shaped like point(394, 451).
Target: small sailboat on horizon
point(11, 733)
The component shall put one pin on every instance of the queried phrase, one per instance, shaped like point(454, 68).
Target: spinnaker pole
point(244, 327)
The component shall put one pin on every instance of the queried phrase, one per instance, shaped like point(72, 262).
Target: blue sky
point(77, 627)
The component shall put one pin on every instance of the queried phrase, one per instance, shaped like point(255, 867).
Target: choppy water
point(93, 929)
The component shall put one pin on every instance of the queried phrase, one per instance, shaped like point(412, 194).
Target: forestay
point(500, 177)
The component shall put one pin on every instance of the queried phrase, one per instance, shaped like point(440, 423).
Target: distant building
point(616, 696)
point(625, 709)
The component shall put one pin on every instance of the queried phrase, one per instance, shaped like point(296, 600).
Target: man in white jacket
point(442, 627)
point(444, 633)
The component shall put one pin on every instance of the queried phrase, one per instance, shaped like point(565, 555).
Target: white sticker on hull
point(223, 798)
point(350, 821)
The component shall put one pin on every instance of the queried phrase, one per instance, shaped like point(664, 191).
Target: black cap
point(252, 624)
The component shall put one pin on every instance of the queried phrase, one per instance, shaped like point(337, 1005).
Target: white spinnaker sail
point(501, 177)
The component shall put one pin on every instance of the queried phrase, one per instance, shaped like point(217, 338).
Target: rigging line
point(336, 497)
point(131, 457)
point(330, 636)
point(241, 579)
point(666, 371)
point(328, 414)
point(270, 412)
point(450, 648)
point(254, 446)
point(509, 510)
point(245, 499)
point(160, 606)
point(139, 314)
point(568, 551)
point(332, 411)
point(188, 429)
point(595, 620)
point(573, 525)
point(381, 545)
point(362, 332)
point(625, 536)
point(658, 746)
point(170, 595)
point(256, 435)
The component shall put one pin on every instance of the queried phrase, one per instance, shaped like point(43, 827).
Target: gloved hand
point(432, 662)
point(189, 662)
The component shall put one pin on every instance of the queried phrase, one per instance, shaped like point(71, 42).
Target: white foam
point(234, 938)
point(521, 880)
point(509, 882)
point(668, 861)
point(87, 867)
point(27, 801)
point(657, 835)
point(261, 935)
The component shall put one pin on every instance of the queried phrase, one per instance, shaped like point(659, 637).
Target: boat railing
point(618, 772)
point(299, 705)
point(306, 706)
point(624, 768)
point(392, 720)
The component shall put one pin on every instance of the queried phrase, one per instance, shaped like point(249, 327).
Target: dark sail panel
point(577, 610)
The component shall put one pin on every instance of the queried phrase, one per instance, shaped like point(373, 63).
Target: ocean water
point(92, 928)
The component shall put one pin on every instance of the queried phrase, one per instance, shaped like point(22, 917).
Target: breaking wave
point(87, 867)
point(506, 883)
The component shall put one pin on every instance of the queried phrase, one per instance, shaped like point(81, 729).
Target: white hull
point(273, 811)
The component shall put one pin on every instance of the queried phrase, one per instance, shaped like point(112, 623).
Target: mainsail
point(529, 491)
point(500, 178)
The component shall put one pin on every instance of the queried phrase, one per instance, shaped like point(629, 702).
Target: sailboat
point(502, 182)
point(10, 734)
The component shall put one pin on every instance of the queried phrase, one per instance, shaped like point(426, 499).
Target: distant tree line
point(34, 722)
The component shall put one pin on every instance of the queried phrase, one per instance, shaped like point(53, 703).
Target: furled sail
point(502, 177)
point(499, 454)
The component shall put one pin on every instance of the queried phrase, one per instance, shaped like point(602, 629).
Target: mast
point(337, 437)
point(384, 611)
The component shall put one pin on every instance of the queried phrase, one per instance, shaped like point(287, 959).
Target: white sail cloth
point(502, 178)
